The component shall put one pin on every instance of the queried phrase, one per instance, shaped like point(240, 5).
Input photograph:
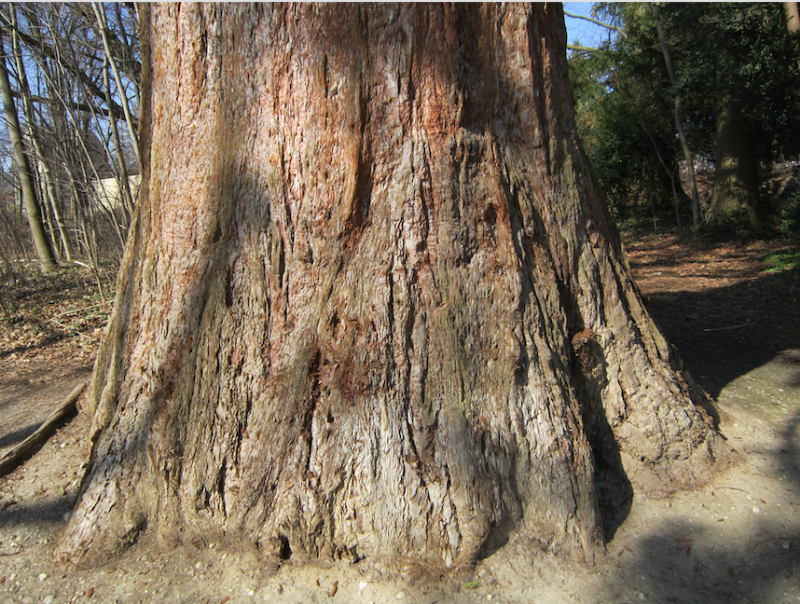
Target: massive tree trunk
point(736, 174)
point(371, 303)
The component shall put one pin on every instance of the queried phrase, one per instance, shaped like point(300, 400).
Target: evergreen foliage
point(625, 101)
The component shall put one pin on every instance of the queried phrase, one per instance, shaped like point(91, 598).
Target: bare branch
point(49, 52)
point(596, 22)
point(579, 48)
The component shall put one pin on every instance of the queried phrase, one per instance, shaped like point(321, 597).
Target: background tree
point(625, 108)
point(743, 71)
point(372, 304)
point(58, 67)
point(737, 73)
point(687, 152)
point(25, 173)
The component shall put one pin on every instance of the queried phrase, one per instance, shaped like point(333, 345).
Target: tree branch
point(41, 47)
point(579, 48)
point(22, 451)
point(596, 22)
point(75, 105)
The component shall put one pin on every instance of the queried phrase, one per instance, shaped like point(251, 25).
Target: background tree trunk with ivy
point(371, 304)
point(736, 174)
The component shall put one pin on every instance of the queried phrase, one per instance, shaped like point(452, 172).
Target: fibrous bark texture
point(372, 304)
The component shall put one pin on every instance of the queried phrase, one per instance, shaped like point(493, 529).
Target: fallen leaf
point(335, 587)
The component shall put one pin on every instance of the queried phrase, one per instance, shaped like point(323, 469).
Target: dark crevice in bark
point(223, 471)
point(473, 74)
point(308, 422)
point(362, 201)
point(538, 79)
point(613, 489)
point(285, 549)
point(229, 299)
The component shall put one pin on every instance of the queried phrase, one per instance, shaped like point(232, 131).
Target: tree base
point(384, 315)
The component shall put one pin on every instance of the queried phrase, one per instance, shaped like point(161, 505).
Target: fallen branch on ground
point(27, 447)
point(68, 328)
point(730, 327)
point(77, 310)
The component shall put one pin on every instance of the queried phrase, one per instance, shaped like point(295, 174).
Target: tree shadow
point(44, 343)
point(48, 511)
point(723, 334)
point(726, 332)
point(788, 456)
point(666, 566)
point(17, 436)
point(691, 558)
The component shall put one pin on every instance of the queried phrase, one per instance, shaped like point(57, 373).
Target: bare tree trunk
point(793, 20)
point(792, 16)
point(371, 303)
point(687, 152)
point(48, 188)
point(123, 179)
point(99, 11)
point(27, 186)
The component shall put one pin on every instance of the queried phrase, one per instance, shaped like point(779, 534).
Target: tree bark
point(371, 303)
point(736, 174)
point(27, 187)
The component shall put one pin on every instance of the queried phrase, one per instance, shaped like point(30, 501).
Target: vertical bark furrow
point(350, 319)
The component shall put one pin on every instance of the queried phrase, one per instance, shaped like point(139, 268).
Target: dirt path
point(736, 540)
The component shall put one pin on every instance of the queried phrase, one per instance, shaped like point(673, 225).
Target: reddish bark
point(372, 304)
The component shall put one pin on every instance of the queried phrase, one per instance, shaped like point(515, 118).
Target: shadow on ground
point(669, 568)
point(740, 541)
point(743, 546)
point(17, 436)
point(49, 510)
point(726, 332)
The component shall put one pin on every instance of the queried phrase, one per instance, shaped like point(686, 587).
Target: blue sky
point(588, 33)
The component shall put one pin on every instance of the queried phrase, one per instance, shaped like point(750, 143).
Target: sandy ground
point(735, 540)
